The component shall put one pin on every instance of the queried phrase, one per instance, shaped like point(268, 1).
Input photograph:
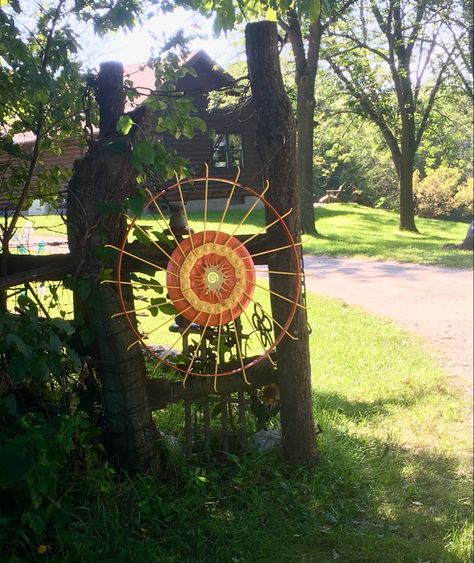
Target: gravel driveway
point(434, 302)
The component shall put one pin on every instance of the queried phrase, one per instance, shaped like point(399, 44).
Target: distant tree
point(388, 56)
point(303, 25)
point(461, 32)
point(341, 157)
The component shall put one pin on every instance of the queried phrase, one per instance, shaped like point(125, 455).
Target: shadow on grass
point(367, 500)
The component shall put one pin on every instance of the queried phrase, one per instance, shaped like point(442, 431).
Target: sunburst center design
point(214, 278)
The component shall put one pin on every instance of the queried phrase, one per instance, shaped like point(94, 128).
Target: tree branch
point(369, 108)
point(429, 105)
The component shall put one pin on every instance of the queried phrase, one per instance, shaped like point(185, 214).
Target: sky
point(137, 46)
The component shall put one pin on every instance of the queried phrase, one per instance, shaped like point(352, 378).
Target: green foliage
point(34, 453)
point(442, 194)
point(34, 350)
point(43, 433)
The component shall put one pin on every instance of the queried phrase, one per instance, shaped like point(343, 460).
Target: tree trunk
point(407, 163)
point(306, 55)
point(468, 242)
point(105, 179)
point(407, 207)
point(305, 118)
point(276, 145)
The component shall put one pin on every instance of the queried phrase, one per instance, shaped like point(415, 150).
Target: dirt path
point(434, 302)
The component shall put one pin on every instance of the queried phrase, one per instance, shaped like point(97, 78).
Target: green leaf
point(124, 124)
point(144, 152)
point(162, 239)
point(141, 237)
point(137, 202)
point(167, 309)
point(15, 342)
point(9, 403)
point(314, 9)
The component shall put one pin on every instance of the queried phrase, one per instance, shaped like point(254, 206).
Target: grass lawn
point(352, 230)
point(393, 484)
point(347, 230)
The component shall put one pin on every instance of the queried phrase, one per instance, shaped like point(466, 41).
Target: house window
point(228, 150)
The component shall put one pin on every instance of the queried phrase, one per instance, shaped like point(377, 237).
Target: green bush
point(464, 197)
point(44, 434)
point(442, 194)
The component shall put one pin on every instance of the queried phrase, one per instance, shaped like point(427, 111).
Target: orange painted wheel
point(210, 278)
point(205, 301)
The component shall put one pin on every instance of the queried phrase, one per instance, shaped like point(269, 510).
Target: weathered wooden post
point(276, 144)
point(105, 179)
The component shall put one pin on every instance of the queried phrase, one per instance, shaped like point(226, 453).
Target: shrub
point(464, 197)
point(44, 434)
point(436, 195)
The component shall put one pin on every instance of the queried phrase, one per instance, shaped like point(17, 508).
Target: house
point(228, 142)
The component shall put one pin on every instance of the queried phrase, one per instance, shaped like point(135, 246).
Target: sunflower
point(270, 394)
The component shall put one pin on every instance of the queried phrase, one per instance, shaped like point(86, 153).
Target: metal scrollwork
point(262, 323)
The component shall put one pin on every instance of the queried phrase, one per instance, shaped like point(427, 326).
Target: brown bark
point(306, 67)
point(107, 178)
point(276, 145)
point(163, 392)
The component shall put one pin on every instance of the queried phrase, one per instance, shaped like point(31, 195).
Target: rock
point(265, 440)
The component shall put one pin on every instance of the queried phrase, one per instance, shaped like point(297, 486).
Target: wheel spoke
point(137, 258)
point(276, 249)
point(252, 207)
point(142, 230)
point(161, 325)
point(264, 228)
point(227, 203)
point(182, 334)
point(166, 223)
point(153, 199)
point(135, 283)
point(116, 315)
point(206, 187)
point(279, 295)
point(183, 206)
point(195, 353)
point(280, 273)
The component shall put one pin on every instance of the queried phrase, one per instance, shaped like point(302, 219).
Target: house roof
point(143, 80)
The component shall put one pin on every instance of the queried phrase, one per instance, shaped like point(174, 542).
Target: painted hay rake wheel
point(200, 277)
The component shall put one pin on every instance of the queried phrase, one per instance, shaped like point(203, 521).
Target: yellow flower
point(270, 394)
